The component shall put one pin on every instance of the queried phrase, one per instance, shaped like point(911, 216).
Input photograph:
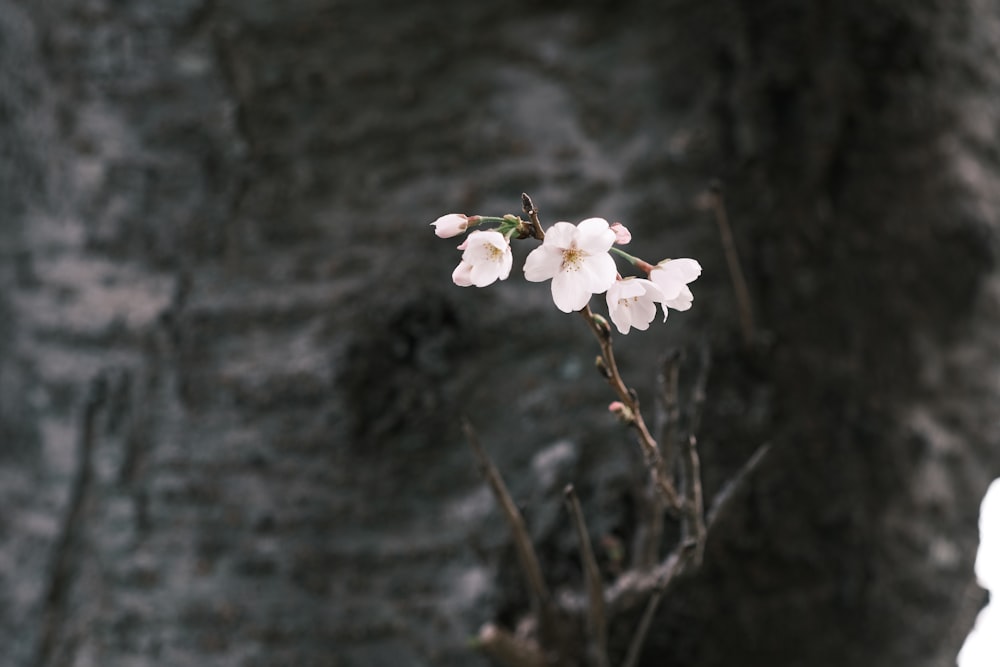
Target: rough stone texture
point(231, 358)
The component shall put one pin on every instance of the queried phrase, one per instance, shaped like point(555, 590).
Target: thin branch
point(650, 449)
point(526, 556)
point(596, 619)
point(694, 523)
point(529, 210)
point(743, 302)
point(639, 638)
point(667, 384)
point(723, 497)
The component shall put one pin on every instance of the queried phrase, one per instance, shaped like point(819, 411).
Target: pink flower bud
point(450, 225)
point(622, 234)
point(622, 412)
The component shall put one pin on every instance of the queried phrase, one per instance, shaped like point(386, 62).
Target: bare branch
point(694, 504)
point(650, 449)
point(736, 483)
point(529, 210)
point(639, 638)
point(526, 556)
point(596, 620)
point(671, 414)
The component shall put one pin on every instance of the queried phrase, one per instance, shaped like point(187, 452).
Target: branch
point(650, 449)
point(694, 523)
point(639, 638)
point(596, 620)
point(541, 601)
point(529, 210)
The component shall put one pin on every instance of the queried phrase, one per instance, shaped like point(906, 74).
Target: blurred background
point(232, 361)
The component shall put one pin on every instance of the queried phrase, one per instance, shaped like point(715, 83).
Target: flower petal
point(598, 272)
point(683, 269)
point(560, 235)
point(542, 263)
point(569, 293)
point(594, 236)
point(682, 301)
point(461, 276)
point(484, 273)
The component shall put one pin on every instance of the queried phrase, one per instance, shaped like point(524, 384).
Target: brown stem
point(541, 601)
point(596, 619)
point(650, 449)
point(736, 274)
point(529, 210)
point(639, 638)
point(694, 523)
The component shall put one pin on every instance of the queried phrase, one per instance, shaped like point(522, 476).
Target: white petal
point(670, 286)
point(599, 271)
point(461, 276)
point(560, 235)
point(569, 293)
point(506, 262)
point(643, 312)
point(542, 263)
point(682, 301)
point(594, 236)
point(652, 290)
point(484, 273)
point(684, 269)
point(619, 312)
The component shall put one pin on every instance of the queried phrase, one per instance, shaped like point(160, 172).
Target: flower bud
point(622, 234)
point(452, 224)
point(622, 412)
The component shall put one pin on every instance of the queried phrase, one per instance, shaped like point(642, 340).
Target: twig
point(650, 449)
point(735, 483)
point(743, 302)
point(668, 380)
point(639, 638)
point(596, 619)
point(541, 601)
point(694, 523)
point(529, 210)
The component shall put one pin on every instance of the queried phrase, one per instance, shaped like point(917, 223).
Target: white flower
point(450, 225)
point(487, 258)
point(632, 303)
point(576, 258)
point(672, 277)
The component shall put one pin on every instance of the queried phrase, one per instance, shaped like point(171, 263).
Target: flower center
point(494, 254)
point(572, 259)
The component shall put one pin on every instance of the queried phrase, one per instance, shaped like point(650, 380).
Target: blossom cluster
point(579, 260)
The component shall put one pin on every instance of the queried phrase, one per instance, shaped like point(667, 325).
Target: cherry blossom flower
point(632, 303)
point(452, 224)
point(576, 258)
point(486, 259)
point(672, 277)
point(622, 234)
